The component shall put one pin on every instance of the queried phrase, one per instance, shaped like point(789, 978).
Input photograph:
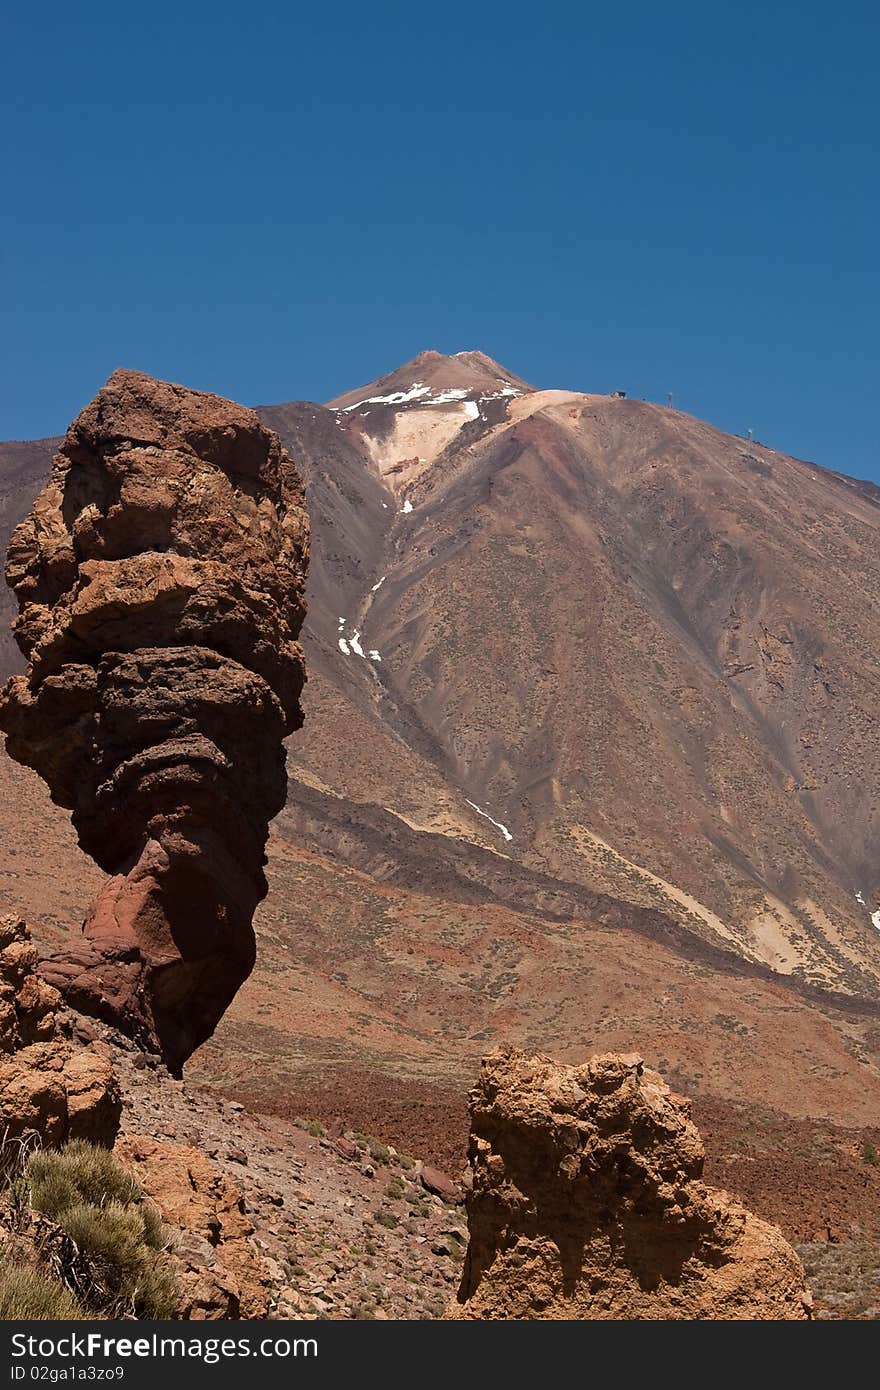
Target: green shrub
point(80, 1172)
point(155, 1231)
point(385, 1218)
point(395, 1189)
point(379, 1152)
point(26, 1292)
point(110, 1236)
point(116, 1233)
point(870, 1154)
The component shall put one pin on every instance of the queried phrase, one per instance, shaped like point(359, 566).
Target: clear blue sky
point(276, 201)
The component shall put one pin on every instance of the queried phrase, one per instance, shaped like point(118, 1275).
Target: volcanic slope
point(608, 642)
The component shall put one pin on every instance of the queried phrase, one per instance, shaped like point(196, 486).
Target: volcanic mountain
point(608, 642)
point(591, 756)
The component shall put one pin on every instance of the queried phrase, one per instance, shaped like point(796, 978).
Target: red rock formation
point(48, 1086)
point(160, 581)
point(587, 1203)
point(220, 1274)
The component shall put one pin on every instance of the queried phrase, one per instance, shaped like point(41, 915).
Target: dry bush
point(117, 1237)
point(27, 1292)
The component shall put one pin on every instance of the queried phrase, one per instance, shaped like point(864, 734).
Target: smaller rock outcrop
point(159, 578)
point(49, 1086)
point(587, 1203)
point(220, 1274)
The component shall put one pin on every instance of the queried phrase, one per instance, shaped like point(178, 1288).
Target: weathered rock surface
point(219, 1272)
point(48, 1086)
point(587, 1203)
point(159, 579)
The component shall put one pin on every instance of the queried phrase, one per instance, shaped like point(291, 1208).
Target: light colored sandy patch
point(521, 407)
point(585, 840)
point(418, 437)
point(770, 930)
point(446, 820)
point(771, 935)
point(308, 779)
point(441, 822)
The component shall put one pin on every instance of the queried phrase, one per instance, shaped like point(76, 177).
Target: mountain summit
point(406, 420)
point(432, 374)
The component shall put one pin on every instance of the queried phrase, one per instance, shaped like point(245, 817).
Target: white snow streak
point(471, 410)
point(407, 506)
point(419, 394)
point(875, 916)
point(396, 397)
point(351, 646)
point(480, 812)
point(378, 584)
point(451, 393)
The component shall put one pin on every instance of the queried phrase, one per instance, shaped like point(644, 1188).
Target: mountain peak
point(431, 372)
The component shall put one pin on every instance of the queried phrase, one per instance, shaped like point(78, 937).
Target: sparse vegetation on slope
point(116, 1236)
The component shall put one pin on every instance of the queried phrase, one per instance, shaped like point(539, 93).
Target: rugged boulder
point(49, 1086)
point(220, 1273)
point(587, 1203)
point(159, 578)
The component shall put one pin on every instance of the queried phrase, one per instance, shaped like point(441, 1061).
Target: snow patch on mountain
point(351, 645)
point(480, 812)
point(395, 398)
point(420, 395)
